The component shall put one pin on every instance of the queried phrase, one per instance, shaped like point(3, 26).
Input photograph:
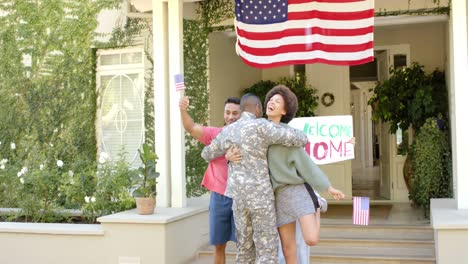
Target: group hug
point(264, 187)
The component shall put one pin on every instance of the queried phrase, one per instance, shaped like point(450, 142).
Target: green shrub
point(306, 94)
point(112, 192)
point(409, 97)
point(48, 102)
point(431, 162)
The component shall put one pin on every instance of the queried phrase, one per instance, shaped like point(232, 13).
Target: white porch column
point(177, 139)
point(335, 79)
point(458, 96)
point(161, 102)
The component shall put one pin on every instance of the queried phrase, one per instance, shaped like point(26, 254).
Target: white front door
point(399, 57)
point(392, 184)
point(383, 136)
point(358, 163)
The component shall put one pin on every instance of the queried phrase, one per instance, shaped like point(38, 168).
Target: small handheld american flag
point(361, 210)
point(179, 82)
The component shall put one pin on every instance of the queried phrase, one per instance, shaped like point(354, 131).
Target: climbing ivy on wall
point(48, 104)
point(438, 10)
point(195, 70)
point(47, 76)
point(196, 77)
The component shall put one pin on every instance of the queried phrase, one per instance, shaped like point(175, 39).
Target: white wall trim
point(408, 19)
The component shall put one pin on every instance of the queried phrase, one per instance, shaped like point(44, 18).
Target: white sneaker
point(322, 202)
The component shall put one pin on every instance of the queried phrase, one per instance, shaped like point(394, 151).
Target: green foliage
point(196, 80)
point(145, 180)
point(298, 84)
point(195, 71)
point(111, 193)
point(260, 89)
point(215, 11)
point(439, 10)
point(48, 101)
point(43, 186)
point(409, 97)
point(149, 103)
point(431, 162)
point(51, 99)
point(127, 35)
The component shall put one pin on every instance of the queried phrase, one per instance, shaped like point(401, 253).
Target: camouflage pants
point(257, 235)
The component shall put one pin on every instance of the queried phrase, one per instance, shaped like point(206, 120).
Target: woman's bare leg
point(287, 234)
point(310, 226)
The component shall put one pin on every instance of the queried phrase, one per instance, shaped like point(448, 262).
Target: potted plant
point(406, 100)
point(145, 181)
point(409, 97)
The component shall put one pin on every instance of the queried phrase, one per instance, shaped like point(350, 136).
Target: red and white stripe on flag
point(361, 210)
point(179, 82)
point(284, 32)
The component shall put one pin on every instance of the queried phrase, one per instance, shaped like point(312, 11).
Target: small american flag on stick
point(179, 82)
point(360, 210)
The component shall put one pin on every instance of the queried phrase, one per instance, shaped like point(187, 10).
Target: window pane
point(299, 68)
point(122, 118)
point(364, 72)
point(131, 58)
point(399, 60)
point(402, 142)
point(113, 59)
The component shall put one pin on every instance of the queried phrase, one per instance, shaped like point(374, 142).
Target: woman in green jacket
point(292, 174)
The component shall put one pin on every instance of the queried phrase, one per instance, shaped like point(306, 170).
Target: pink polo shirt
point(215, 178)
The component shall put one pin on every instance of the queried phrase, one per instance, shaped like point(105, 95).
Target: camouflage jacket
point(248, 180)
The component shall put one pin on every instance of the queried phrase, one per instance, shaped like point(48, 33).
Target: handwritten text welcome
point(329, 137)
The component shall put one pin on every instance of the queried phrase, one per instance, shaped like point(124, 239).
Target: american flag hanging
point(360, 210)
point(179, 82)
point(274, 33)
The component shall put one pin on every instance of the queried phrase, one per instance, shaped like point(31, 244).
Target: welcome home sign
point(329, 137)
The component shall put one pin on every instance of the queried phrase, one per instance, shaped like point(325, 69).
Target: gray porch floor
point(381, 213)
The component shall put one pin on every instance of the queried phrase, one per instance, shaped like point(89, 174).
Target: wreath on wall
point(327, 99)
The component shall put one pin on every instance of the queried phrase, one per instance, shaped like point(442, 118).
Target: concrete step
point(341, 247)
point(380, 232)
point(369, 260)
point(208, 259)
point(377, 244)
point(374, 252)
point(341, 258)
point(360, 255)
point(351, 242)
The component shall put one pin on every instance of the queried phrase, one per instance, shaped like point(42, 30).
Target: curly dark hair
point(290, 101)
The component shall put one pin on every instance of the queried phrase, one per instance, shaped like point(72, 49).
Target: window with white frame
point(120, 119)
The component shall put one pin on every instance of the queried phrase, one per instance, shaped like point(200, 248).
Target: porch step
point(377, 244)
point(378, 231)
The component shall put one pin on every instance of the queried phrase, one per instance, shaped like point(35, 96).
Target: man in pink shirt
point(222, 227)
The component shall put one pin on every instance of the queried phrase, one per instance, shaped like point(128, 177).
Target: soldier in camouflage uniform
point(248, 181)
